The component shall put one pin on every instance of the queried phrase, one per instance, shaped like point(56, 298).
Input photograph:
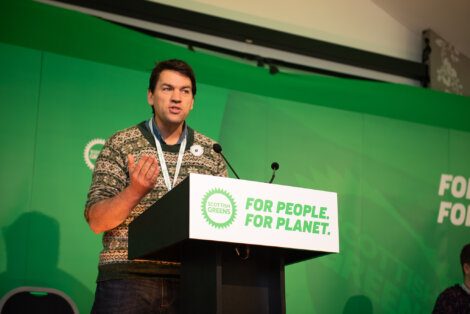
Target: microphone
point(218, 149)
point(274, 166)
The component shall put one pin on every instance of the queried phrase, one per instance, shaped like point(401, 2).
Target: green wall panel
point(401, 172)
point(19, 90)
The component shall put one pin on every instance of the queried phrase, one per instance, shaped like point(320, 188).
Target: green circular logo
point(92, 150)
point(218, 208)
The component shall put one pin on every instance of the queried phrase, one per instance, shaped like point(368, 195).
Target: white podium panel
point(240, 211)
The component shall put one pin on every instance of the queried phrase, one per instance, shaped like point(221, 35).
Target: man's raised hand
point(111, 212)
point(143, 176)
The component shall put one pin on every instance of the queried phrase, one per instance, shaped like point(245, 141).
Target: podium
point(234, 238)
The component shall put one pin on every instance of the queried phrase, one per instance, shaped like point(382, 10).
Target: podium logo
point(218, 208)
point(91, 151)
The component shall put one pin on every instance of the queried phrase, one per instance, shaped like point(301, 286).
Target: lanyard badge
point(161, 158)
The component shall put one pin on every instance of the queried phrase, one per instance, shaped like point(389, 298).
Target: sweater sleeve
point(110, 175)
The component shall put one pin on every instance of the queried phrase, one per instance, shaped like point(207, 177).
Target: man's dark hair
point(174, 65)
point(465, 255)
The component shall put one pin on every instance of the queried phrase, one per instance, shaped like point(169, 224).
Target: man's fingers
point(138, 168)
point(156, 172)
point(147, 163)
point(146, 171)
point(153, 171)
point(130, 162)
point(143, 175)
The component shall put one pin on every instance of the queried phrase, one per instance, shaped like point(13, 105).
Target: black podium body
point(216, 276)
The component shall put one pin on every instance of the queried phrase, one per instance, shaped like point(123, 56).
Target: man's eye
point(185, 91)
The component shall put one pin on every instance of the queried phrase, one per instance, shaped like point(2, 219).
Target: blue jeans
point(137, 296)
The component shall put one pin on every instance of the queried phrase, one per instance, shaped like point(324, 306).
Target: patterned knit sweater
point(111, 176)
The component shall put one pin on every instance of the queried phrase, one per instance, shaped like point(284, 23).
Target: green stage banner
point(397, 157)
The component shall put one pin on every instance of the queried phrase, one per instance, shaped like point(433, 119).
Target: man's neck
point(170, 133)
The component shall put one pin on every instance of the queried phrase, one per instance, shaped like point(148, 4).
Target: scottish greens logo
point(91, 151)
point(218, 208)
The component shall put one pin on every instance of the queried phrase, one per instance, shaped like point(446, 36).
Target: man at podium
point(135, 168)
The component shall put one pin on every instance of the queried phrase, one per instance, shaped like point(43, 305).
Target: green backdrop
point(67, 79)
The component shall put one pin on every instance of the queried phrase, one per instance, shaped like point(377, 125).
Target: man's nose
point(176, 96)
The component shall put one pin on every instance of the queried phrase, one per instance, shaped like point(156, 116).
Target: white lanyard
point(161, 158)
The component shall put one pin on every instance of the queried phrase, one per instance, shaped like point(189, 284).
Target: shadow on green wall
point(358, 304)
point(32, 248)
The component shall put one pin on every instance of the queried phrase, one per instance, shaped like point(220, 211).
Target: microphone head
point(217, 148)
point(274, 166)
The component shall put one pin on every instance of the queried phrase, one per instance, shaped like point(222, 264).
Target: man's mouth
point(175, 110)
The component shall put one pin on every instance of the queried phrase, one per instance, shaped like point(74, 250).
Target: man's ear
point(150, 97)
point(466, 269)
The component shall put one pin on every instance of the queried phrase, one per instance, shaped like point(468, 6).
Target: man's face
point(172, 99)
